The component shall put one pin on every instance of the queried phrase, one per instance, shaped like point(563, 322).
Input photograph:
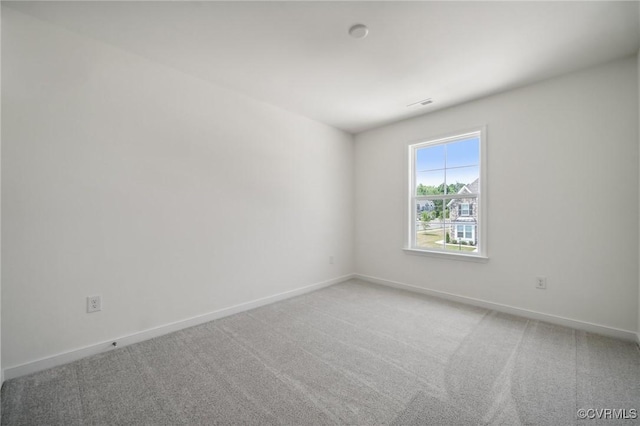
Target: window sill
point(445, 255)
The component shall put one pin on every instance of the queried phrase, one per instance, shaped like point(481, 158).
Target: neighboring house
point(425, 206)
point(463, 213)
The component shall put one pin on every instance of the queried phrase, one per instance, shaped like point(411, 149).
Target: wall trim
point(526, 313)
point(76, 354)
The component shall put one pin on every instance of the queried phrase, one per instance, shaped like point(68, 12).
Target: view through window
point(446, 194)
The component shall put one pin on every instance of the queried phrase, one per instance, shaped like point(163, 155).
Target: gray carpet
point(353, 353)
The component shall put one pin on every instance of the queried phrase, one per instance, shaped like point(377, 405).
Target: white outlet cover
point(94, 304)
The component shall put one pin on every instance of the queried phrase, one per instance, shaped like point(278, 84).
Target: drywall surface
point(1, 369)
point(167, 196)
point(562, 198)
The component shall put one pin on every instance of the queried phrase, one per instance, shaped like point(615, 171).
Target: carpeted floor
point(353, 353)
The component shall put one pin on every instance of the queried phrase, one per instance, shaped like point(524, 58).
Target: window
point(447, 175)
point(464, 232)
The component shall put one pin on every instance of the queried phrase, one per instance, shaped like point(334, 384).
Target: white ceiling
point(298, 55)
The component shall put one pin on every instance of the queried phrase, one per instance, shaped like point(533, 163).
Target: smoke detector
point(358, 31)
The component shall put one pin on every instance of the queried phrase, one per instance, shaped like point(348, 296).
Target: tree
point(425, 218)
point(440, 210)
point(452, 188)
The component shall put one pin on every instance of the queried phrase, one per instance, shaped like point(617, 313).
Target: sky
point(458, 161)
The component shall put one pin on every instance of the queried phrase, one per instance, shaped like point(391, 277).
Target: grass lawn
point(428, 240)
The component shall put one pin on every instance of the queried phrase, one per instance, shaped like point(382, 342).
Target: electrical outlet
point(330, 260)
point(541, 283)
point(94, 304)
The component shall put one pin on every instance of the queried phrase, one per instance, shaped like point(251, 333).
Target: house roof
point(471, 188)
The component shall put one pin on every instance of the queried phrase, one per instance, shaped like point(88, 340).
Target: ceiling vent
point(422, 102)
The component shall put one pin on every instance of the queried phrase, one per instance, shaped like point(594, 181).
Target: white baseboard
point(76, 354)
point(553, 319)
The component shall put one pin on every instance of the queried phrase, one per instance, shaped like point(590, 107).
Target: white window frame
point(410, 246)
point(462, 213)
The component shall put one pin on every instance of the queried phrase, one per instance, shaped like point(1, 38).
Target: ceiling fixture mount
point(422, 102)
point(358, 31)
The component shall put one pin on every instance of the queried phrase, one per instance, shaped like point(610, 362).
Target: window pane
point(430, 158)
point(463, 153)
point(429, 183)
point(457, 178)
point(449, 170)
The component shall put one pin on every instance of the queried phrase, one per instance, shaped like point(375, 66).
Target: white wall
point(562, 198)
point(1, 369)
point(166, 195)
point(638, 68)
